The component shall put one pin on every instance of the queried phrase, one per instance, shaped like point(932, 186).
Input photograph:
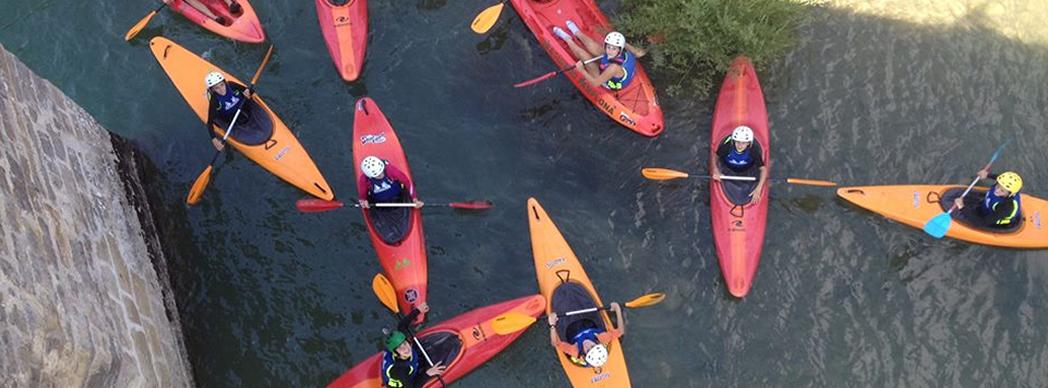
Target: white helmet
point(213, 78)
point(616, 39)
point(372, 167)
point(742, 133)
point(597, 356)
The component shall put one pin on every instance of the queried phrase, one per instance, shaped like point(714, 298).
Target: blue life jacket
point(991, 201)
point(229, 102)
point(739, 161)
point(629, 65)
point(384, 190)
point(389, 361)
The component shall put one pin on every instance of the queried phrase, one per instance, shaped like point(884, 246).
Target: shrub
point(694, 41)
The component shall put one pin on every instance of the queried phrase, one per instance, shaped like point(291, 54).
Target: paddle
point(513, 322)
point(317, 205)
point(940, 224)
point(487, 18)
point(665, 174)
point(135, 29)
point(384, 291)
point(200, 184)
point(550, 75)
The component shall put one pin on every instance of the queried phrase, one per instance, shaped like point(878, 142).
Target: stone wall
point(81, 302)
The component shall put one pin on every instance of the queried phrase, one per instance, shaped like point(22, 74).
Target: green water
point(272, 297)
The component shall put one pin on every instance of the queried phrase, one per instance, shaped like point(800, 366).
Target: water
point(877, 93)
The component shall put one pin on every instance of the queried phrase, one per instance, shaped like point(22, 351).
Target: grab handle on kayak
point(566, 277)
point(742, 211)
point(938, 198)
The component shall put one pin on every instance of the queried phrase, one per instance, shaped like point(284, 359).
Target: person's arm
point(758, 161)
point(722, 151)
point(404, 326)
point(620, 320)
point(362, 188)
point(400, 176)
point(637, 51)
point(554, 339)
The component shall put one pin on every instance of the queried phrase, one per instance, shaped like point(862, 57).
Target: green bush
point(692, 42)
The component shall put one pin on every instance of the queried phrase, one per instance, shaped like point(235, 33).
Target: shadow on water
point(271, 297)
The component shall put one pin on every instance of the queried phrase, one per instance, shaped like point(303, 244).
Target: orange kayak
point(244, 26)
point(914, 205)
point(635, 106)
point(564, 284)
point(279, 153)
point(345, 29)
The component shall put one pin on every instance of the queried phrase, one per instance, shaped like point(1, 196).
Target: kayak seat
point(572, 296)
point(442, 346)
point(738, 192)
point(391, 223)
point(969, 216)
point(252, 131)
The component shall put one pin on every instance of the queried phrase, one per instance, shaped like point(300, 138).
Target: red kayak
point(243, 26)
point(635, 106)
point(345, 29)
point(463, 343)
point(738, 226)
point(396, 233)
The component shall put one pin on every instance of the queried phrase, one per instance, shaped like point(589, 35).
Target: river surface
point(877, 92)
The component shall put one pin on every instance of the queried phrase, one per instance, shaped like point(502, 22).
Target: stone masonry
point(81, 302)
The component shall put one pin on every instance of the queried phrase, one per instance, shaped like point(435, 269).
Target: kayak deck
point(914, 205)
point(244, 27)
point(557, 265)
point(281, 154)
point(636, 106)
point(738, 230)
point(345, 30)
point(476, 339)
point(404, 262)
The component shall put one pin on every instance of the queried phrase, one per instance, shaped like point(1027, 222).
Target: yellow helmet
point(1010, 181)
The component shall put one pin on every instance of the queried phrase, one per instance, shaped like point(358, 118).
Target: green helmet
point(394, 339)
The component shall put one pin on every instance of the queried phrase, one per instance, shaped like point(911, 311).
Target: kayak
point(345, 29)
point(635, 106)
point(276, 150)
point(564, 284)
point(396, 233)
point(463, 343)
point(244, 27)
point(914, 205)
point(738, 226)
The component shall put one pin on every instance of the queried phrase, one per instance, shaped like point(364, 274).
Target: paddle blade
point(384, 291)
point(535, 80)
point(646, 300)
point(196, 191)
point(662, 174)
point(135, 29)
point(810, 182)
point(487, 18)
point(317, 205)
point(937, 226)
point(511, 322)
point(472, 205)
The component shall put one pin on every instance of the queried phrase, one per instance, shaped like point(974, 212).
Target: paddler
point(233, 6)
point(381, 182)
point(224, 98)
point(618, 59)
point(741, 154)
point(401, 361)
point(1001, 205)
point(587, 347)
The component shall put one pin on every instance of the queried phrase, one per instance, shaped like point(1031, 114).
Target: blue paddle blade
point(937, 226)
